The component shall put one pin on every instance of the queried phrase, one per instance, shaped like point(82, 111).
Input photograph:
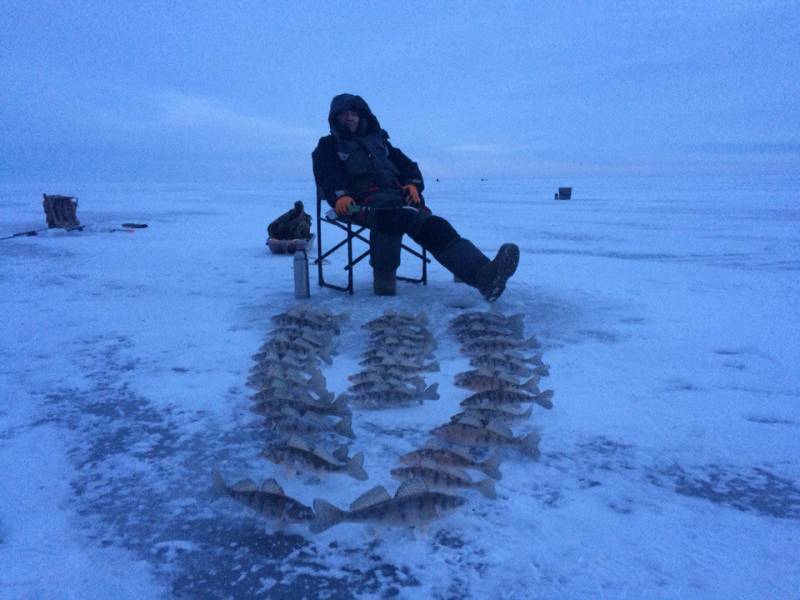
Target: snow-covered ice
point(668, 310)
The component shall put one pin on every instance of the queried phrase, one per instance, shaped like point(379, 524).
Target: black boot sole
point(506, 263)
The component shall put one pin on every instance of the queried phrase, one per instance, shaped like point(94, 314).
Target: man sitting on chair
point(356, 165)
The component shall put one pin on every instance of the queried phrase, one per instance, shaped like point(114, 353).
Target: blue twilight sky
point(239, 91)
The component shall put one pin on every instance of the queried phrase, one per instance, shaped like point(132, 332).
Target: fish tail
point(542, 370)
point(530, 445)
point(345, 427)
point(340, 404)
point(532, 385)
point(531, 343)
point(516, 324)
point(220, 489)
point(326, 515)
point(431, 393)
point(317, 381)
point(490, 466)
point(544, 399)
point(355, 468)
point(486, 487)
point(325, 354)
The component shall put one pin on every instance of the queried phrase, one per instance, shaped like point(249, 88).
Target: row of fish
point(399, 349)
point(504, 378)
point(302, 416)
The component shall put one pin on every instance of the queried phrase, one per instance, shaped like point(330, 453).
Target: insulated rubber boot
point(491, 278)
point(384, 283)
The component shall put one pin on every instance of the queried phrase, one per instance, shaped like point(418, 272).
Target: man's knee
point(435, 234)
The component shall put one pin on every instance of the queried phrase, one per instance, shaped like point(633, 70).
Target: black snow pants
point(389, 218)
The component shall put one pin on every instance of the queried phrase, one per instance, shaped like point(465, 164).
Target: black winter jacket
point(361, 163)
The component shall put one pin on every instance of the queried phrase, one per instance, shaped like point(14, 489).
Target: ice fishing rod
point(126, 227)
point(30, 233)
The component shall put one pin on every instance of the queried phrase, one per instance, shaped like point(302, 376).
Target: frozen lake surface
point(667, 309)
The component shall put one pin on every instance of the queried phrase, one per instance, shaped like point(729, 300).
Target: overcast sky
point(237, 92)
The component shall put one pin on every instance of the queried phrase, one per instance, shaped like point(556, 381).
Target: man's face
point(348, 119)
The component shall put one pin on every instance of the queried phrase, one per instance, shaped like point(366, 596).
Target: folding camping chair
point(354, 231)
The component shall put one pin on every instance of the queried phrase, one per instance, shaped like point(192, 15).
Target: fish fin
point(516, 323)
point(220, 489)
point(530, 445)
point(245, 485)
point(431, 393)
point(295, 441)
point(355, 468)
point(326, 515)
point(345, 427)
point(486, 487)
point(491, 465)
point(340, 453)
point(373, 496)
point(470, 420)
point(431, 367)
point(422, 318)
point(528, 412)
point(544, 399)
point(317, 381)
point(542, 370)
point(431, 443)
point(271, 486)
point(535, 359)
point(340, 404)
point(532, 385)
point(500, 428)
point(325, 354)
point(411, 488)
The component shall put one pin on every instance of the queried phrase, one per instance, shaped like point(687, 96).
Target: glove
point(342, 202)
point(411, 193)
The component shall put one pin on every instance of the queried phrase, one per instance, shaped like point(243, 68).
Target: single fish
point(394, 352)
point(453, 457)
point(413, 504)
point(478, 330)
point(279, 390)
point(268, 500)
point(289, 360)
point(385, 374)
point(497, 344)
point(398, 346)
point(395, 319)
point(387, 385)
point(300, 454)
point(506, 396)
point(437, 476)
point(309, 336)
point(503, 413)
point(294, 349)
point(411, 337)
point(478, 380)
point(289, 420)
point(474, 433)
point(391, 397)
point(299, 344)
point(265, 377)
point(514, 322)
point(302, 404)
point(415, 365)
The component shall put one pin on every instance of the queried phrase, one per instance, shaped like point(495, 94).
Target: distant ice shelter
point(563, 193)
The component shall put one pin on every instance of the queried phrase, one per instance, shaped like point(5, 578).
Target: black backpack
point(293, 225)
